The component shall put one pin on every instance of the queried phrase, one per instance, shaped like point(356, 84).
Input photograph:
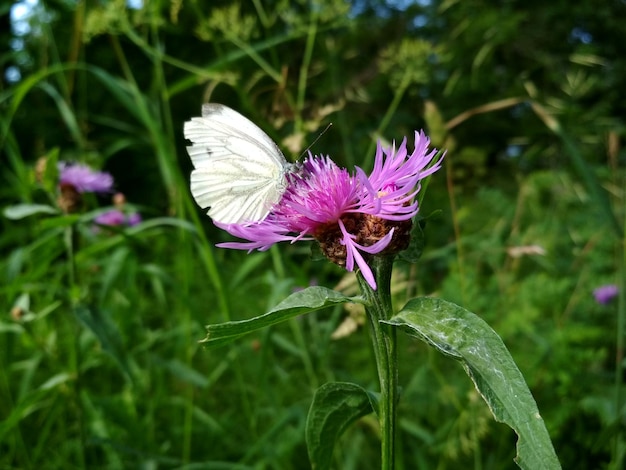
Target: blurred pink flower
point(116, 217)
point(604, 294)
point(84, 179)
point(133, 219)
point(350, 216)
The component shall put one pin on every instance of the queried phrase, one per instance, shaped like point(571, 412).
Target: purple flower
point(604, 294)
point(133, 219)
point(116, 217)
point(350, 216)
point(83, 179)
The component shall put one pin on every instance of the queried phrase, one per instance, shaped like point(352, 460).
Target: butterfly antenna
point(330, 124)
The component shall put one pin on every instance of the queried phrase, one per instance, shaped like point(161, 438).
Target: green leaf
point(459, 333)
point(15, 415)
point(107, 333)
point(184, 372)
point(599, 195)
point(335, 406)
point(20, 211)
point(418, 239)
point(416, 246)
point(304, 301)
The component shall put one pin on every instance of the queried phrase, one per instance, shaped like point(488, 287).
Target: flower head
point(121, 215)
point(604, 294)
point(83, 179)
point(133, 219)
point(351, 216)
point(116, 217)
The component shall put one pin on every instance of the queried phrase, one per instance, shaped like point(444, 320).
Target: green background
point(101, 365)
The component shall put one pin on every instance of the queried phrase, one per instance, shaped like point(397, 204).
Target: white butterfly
point(239, 172)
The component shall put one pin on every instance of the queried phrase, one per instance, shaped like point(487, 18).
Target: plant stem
point(378, 307)
point(617, 459)
point(75, 357)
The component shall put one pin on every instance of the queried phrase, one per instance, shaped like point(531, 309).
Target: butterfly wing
point(239, 172)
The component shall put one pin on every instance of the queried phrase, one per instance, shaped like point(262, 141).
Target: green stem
point(304, 69)
point(618, 447)
point(378, 307)
point(75, 357)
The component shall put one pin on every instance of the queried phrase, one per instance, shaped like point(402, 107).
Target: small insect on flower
point(351, 216)
point(253, 193)
point(239, 172)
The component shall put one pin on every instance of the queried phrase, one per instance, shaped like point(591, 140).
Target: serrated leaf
point(335, 406)
point(304, 301)
point(20, 211)
point(459, 333)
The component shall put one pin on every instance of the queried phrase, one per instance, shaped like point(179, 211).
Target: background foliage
point(100, 361)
